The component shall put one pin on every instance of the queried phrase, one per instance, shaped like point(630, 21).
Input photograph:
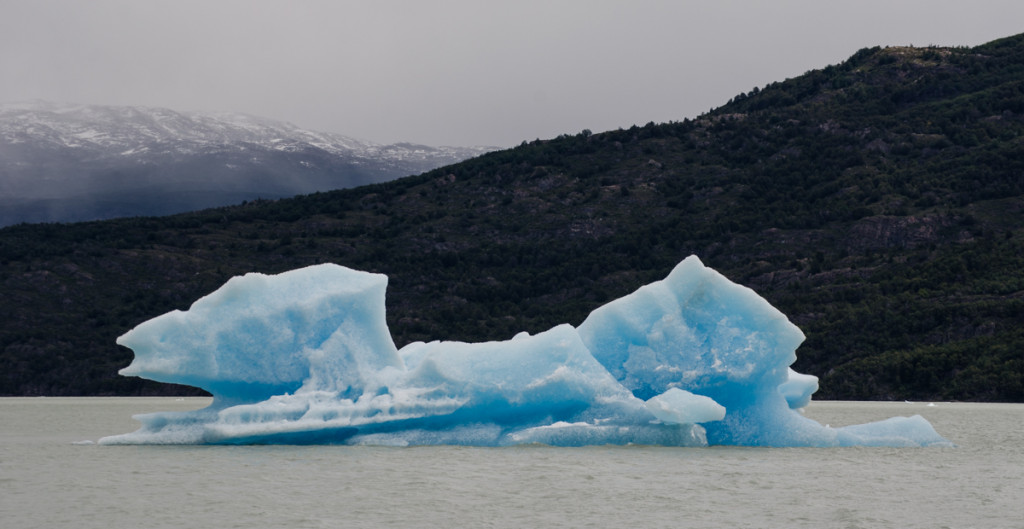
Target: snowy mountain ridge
point(128, 130)
point(67, 162)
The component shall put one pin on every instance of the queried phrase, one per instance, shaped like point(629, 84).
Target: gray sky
point(459, 72)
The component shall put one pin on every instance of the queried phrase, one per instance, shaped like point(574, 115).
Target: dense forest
point(878, 203)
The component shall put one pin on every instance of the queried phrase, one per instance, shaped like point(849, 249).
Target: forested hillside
point(878, 202)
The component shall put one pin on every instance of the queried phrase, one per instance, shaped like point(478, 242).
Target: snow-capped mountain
point(61, 162)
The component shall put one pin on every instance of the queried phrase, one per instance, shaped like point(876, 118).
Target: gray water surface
point(50, 476)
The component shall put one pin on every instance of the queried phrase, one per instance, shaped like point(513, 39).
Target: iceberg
point(305, 357)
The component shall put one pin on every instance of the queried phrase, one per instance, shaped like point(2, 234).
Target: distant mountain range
point(65, 163)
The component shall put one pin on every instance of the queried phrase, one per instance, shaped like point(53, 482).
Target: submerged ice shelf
point(306, 357)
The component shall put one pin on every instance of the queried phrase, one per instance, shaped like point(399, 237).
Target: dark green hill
point(879, 203)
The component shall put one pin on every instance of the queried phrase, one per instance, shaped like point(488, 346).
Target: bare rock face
point(897, 232)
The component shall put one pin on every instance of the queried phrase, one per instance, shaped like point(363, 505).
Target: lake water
point(50, 479)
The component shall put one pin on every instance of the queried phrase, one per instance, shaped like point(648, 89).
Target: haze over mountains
point(66, 163)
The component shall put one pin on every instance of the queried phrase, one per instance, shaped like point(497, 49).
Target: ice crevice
point(305, 356)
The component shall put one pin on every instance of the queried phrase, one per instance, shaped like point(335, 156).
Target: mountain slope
point(879, 203)
point(74, 162)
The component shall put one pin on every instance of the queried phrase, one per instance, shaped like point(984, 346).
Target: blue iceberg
point(306, 357)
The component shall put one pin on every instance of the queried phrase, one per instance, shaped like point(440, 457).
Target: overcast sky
point(460, 72)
